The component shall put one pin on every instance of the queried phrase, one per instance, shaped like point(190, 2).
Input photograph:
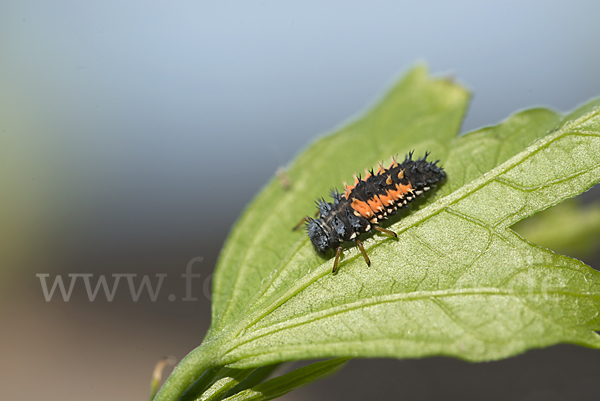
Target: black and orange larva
point(372, 199)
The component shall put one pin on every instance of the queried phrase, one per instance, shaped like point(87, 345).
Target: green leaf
point(227, 380)
point(256, 377)
point(419, 113)
point(284, 384)
point(570, 228)
point(457, 281)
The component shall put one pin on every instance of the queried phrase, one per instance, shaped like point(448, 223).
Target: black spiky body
point(372, 199)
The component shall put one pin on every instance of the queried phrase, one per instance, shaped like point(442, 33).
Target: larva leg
point(337, 258)
point(304, 220)
point(386, 231)
point(362, 250)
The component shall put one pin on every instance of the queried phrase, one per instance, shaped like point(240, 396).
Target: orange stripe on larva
point(400, 191)
point(404, 188)
point(375, 204)
point(387, 199)
point(395, 195)
point(362, 208)
point(349, 188)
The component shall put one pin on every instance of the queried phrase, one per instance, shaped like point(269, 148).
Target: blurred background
point(132, 135)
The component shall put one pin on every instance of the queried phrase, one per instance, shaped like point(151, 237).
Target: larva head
point(320, 235)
